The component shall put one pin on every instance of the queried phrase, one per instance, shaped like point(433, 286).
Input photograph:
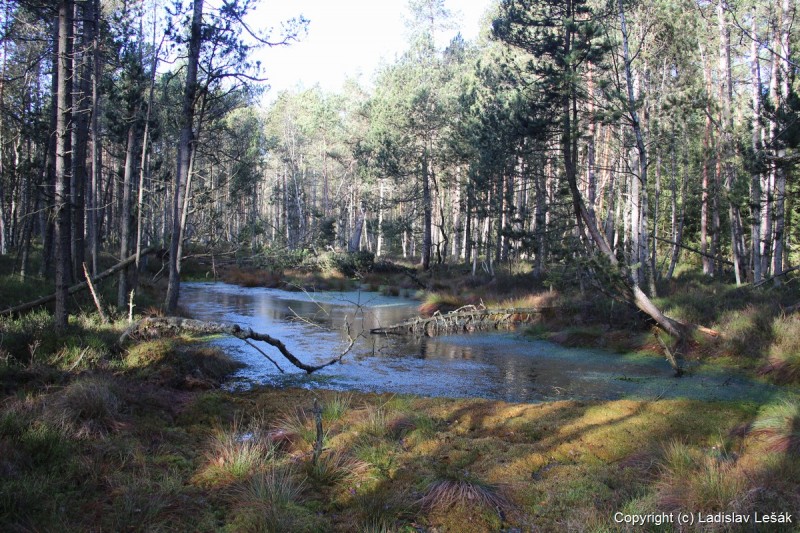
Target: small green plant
point(382, 456)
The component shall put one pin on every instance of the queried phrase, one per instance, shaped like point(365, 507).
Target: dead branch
point(78, 287)
point(95, 297)
point(158, 326)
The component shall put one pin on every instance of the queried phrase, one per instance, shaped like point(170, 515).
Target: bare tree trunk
point(427, 209)
point(781, 64)
point(125, 216)
point(726, 137)
point(82, 69)
point(184, 154)
point(96, 176)
point(639, 213)
point(755, 182)
point(379, 243)
point(63, 161)
point(358, 228)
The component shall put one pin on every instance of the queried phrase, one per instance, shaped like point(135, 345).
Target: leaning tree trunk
point(632, 292)
point(184, 154)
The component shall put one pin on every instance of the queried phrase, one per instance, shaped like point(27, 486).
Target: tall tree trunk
point(634, 293)
point(755, 182)
point(184, 155)
point(638, 197)
point(82, 69)
point(97, 157)
point(726, 137)
point(125, 215)
point(427, 210)
point(678, 219)
point(63, 161)
point(781, 64)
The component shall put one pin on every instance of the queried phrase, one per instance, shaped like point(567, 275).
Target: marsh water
point(499, 365)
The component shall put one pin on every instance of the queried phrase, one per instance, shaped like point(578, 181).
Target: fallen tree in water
point(159, 326)
point(463, 319)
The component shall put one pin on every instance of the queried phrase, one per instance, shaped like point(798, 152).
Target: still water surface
point(504, 366)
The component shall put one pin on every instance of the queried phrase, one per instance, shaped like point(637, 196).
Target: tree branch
point(156, 326)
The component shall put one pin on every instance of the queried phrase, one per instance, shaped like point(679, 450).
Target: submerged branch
point(156, 326)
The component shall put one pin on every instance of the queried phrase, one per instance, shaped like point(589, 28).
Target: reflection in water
point(491, 365)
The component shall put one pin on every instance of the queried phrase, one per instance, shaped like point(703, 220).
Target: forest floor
point(142, 437)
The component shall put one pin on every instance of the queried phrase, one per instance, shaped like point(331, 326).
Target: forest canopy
point(646, 134)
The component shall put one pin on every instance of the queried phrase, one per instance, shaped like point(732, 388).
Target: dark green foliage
point(354, 263)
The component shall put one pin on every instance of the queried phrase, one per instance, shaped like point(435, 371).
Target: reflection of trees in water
point(433, 349)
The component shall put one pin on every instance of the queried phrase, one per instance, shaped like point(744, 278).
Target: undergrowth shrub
point(353, 263)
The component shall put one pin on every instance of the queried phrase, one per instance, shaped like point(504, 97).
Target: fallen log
point(158, 326)
point(468, 318)
point(79, 286)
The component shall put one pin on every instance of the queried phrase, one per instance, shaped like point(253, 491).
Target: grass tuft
point(784, 353)
point(87, 406)
point(234, 454)
point(779, 427)
point(444, 494)
point(693, 479)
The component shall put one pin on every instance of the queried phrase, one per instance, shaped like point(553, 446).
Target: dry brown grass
point(251, 277)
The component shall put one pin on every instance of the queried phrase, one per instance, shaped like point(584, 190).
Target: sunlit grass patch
point(335, 407)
